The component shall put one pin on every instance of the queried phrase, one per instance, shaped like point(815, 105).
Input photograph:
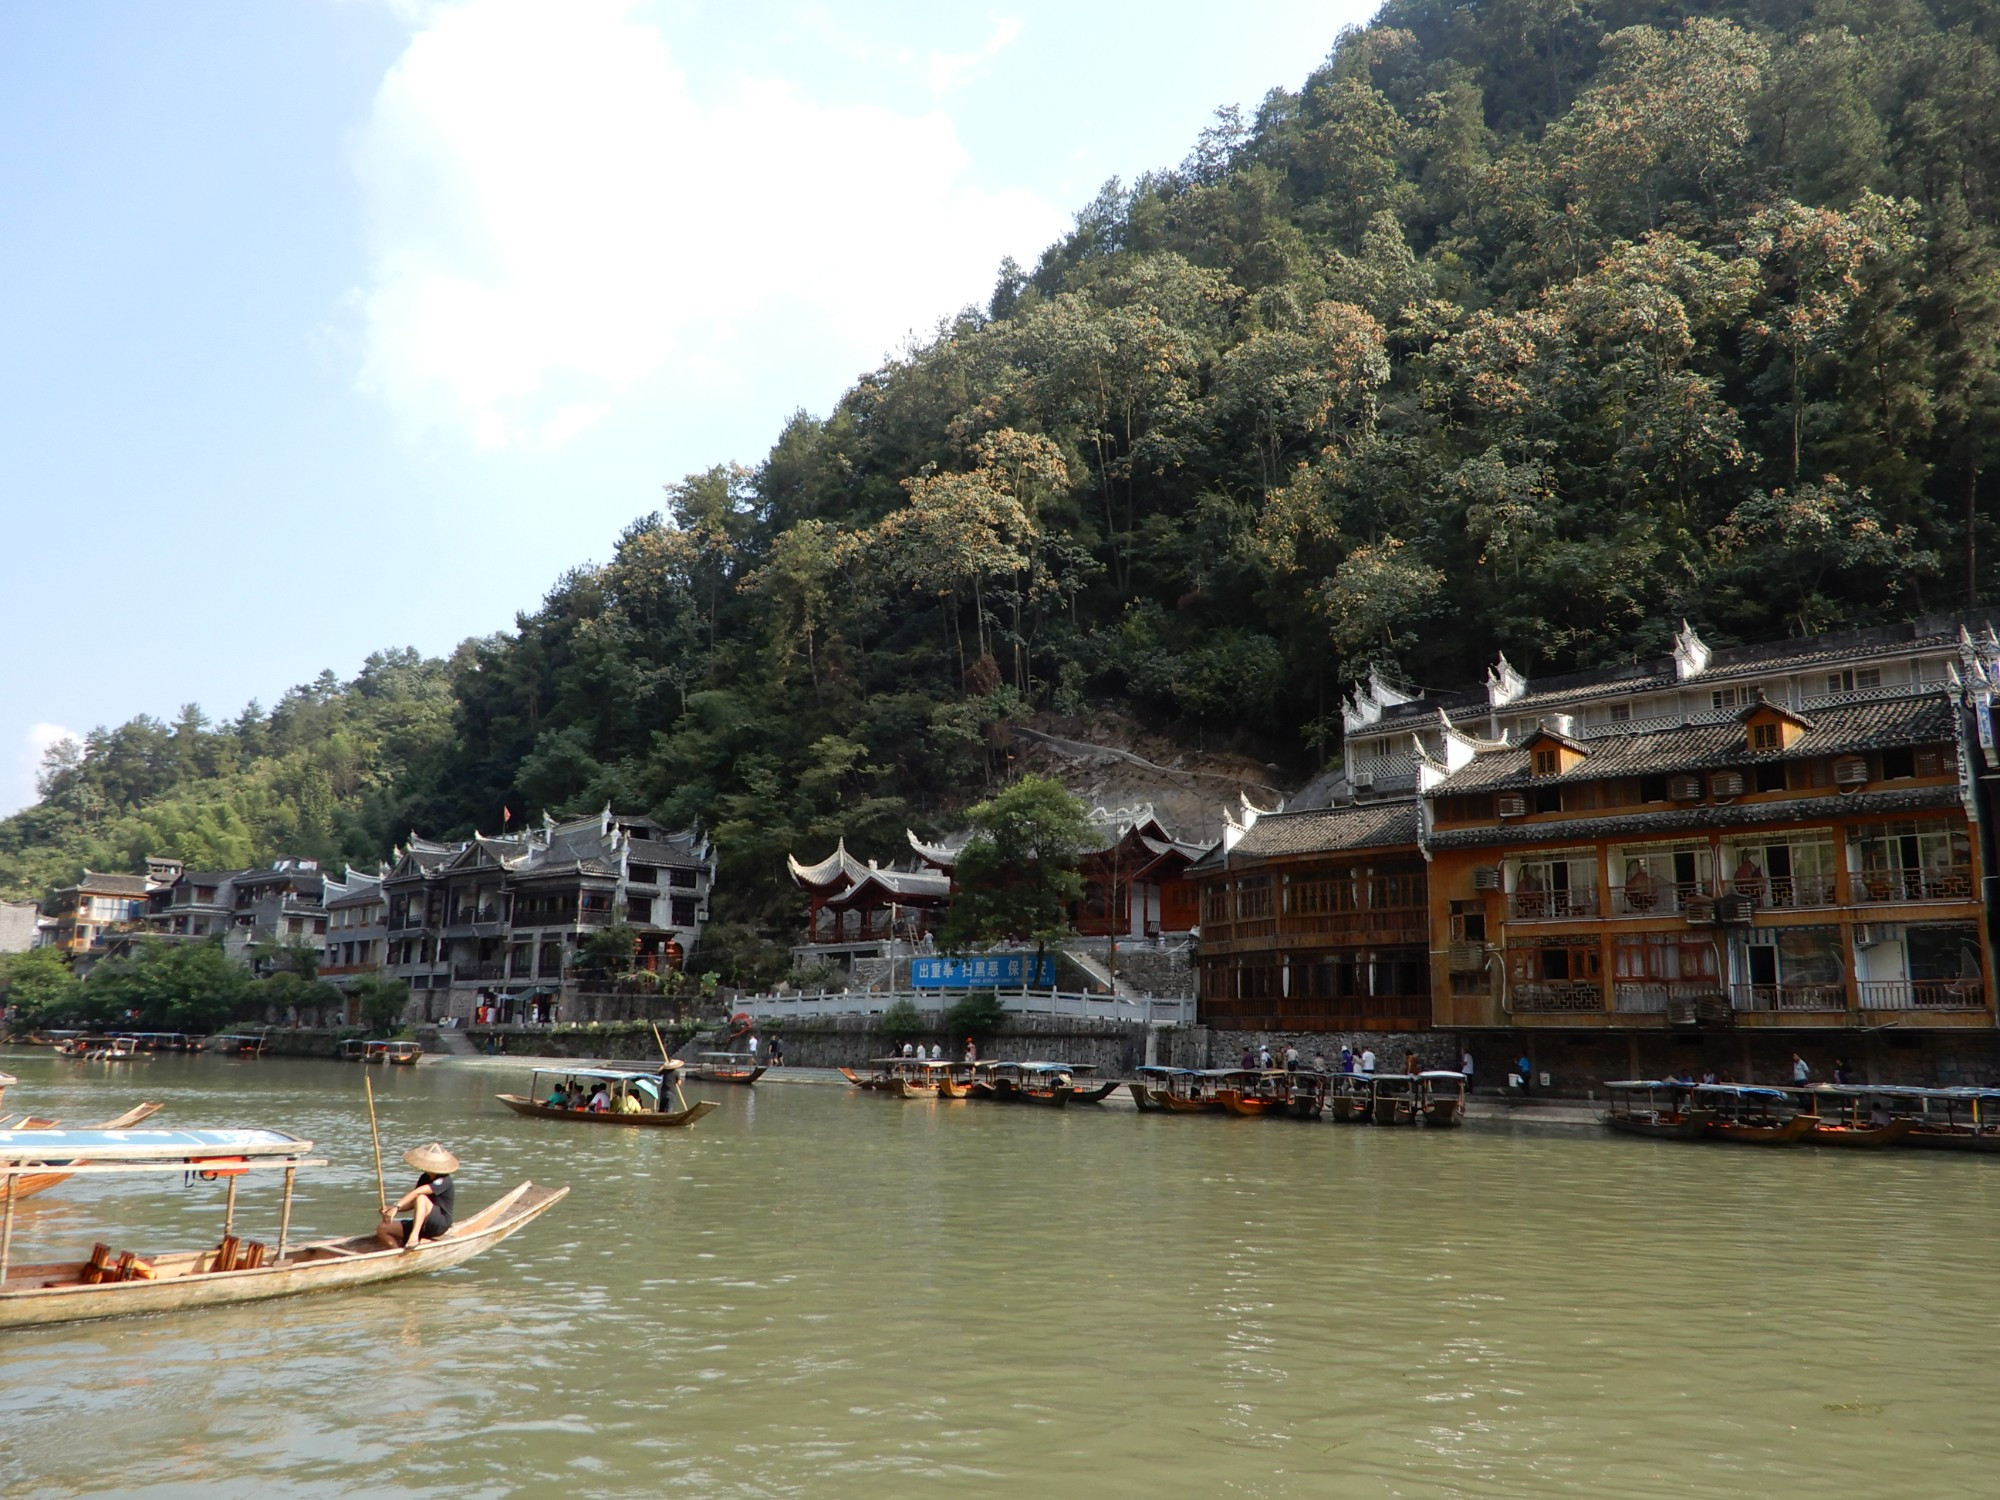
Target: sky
point(337, 325)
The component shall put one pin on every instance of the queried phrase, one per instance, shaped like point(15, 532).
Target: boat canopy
point(170, 1146)
point(1160, 1070)
point(742, 1057)
point(1443, 1075)
point(1738, 1090)
point(608, 1075)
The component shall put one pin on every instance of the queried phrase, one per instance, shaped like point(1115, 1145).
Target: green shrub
point(978, 1014)
point(902, 1020)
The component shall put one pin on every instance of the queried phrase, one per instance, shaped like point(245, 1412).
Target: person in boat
point(628, 1103)
point(430, 1204)
point(600, 1102)
point(558, 1097)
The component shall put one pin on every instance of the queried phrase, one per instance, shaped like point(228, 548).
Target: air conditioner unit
point(1685, 789)
point(1850, 770)
point(1735, 909)
point(1869, 935)
point(1361, 779)
point(1511, 805)
point(1726, 783)
point(1466, 958)
point(1486, 878)
point(1699, 911)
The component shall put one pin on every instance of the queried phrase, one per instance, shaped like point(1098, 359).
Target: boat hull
point(324, 1266)
point(645, 1119)
point(1952, 1140)
point(1691, 1126)
point(1790, 1133)
point(1084, 1094)
point(747, 1077)
point(1859, 1136)
point(1142, 1097)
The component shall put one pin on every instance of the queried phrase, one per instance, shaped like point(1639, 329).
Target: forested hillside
point(1528, 324)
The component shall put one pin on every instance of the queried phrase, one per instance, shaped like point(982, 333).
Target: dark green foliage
point(900, 1020)
point(978, 1014)
point(178, 987)
point(1017, 875)
point(37, 987)
point(380, 1001)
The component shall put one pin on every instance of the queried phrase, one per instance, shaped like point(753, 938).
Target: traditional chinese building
point(1316, 921)
point(1773, 866)
point(1136, 883)
point(858, 909)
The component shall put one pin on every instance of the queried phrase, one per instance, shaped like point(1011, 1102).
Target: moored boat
point(1395, 1099)
point(1350, 1098)
point(727, 1067)
point(1952, 1119)
point(1655, 1107)
point(392, 1054)
point(107, 1283)
point(238, 1044)
point(1751, 1115)
point(1254, 1093)
point(1441, 1098)
point(648, 1094)
point(1853, 1116)
point(27, 1184)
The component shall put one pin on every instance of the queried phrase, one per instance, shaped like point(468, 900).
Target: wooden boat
point(1307, 1094)
point(1050, 1084)
point(1088, 1093)
point(106, 1284)
point(1853, 1116)
point(1441, 1098)
point(1148, 1081)
point(1954, 1119)
point(1350, 1098)
point(1192, 1091)
point(1659, 1108)
point(27, 1184)
point(238, 1044)
point(651, 1089)
point(1254, 1093)
point(1751, 1116)
point(728, 1067)
point(352, 1049)
point(392, 1054)
point(110, 1049)
point(5, 1080)
point(1395, 1099)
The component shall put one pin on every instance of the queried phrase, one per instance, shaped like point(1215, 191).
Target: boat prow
point(41, 1294)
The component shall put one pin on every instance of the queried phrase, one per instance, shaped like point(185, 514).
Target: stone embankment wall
point(1434, 1049)
point(1578, 1065)
point(1113, 1048)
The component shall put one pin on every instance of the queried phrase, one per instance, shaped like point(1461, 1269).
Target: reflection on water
point(827, 1294)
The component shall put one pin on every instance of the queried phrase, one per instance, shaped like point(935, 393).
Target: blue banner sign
point(999, 971)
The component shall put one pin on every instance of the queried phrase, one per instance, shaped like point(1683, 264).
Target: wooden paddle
point(381, 1191)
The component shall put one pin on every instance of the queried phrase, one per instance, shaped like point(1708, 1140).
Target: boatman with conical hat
point(429, 1204)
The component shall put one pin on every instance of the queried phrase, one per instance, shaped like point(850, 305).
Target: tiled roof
point(1699, 819)
point(1726, 664)
point(96, 884)
point(1367, 825)
point(907, 884)
point(679, 853)
point(1843, 729)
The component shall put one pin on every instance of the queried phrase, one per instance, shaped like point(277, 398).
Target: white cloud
point(553, 218)
point(28, 764)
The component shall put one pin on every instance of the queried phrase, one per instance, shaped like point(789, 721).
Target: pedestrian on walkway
point(777, 1052)
point(1801, 1074)
point(1465, 1067)
point(1527, 1071)
point(1367, 1062)
point(1291, 1058)
point(1346, 1058)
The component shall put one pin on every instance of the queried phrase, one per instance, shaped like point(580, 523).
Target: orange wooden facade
point(1770, 872)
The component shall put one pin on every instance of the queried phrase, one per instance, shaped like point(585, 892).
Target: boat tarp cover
point(102, 1146)
point(609, 1075)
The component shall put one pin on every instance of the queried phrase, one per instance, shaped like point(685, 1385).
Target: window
point(1561, 885)
point(1764, 737)
point(683, 878)
point(1319, 896)
point(1853, 679)
point(1771, 778)
point(1660, 879)
point(1468, 921)
point(683, 911)
point(1898, 763)
point(1653, 789)
point(1548, 799)
point(1547, 763)
point(639, 908)
point(1727, 697)
point(1253, 896)
point(1621, 713)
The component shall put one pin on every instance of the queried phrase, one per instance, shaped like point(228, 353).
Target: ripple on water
point(819, 1293)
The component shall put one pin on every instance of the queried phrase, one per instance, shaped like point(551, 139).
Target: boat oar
point(381, 1192)
point(666, 1056)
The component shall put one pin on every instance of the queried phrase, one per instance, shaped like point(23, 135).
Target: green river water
point(817, 1292)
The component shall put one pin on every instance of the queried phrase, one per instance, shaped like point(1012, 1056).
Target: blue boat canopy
point(105, 1146)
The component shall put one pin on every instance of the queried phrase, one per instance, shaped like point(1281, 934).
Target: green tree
point(381, 1002)
point(1017, 875)
point(38, 987)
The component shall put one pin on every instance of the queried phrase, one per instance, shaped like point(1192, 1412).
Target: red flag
point(506, 815)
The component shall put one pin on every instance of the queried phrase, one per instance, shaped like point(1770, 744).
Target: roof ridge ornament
point(1503, 683)
point(1691, 653)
